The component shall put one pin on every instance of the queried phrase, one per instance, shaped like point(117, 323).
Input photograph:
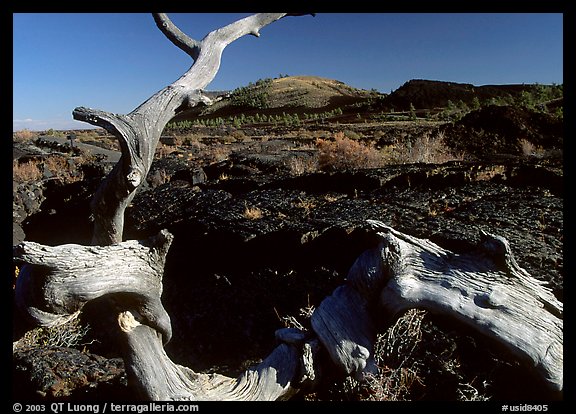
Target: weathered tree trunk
point(139, 131)
point(57, 282)
point(485, 289)
point(156, 377)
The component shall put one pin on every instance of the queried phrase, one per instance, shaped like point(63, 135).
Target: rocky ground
point(258, 241)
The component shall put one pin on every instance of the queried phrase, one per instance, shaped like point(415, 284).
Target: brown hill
point(292, 94)
point(312, 92)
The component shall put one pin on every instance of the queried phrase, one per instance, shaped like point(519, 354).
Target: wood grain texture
point(486, 289)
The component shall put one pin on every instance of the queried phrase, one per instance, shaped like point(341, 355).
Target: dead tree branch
point(139, 131)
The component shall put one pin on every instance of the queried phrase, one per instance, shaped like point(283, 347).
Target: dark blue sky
point(114, 62)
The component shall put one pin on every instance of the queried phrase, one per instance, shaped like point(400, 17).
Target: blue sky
point(115, 61)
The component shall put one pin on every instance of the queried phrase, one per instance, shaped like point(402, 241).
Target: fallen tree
point(485, 288)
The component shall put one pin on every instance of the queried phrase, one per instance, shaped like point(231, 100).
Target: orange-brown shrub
point(26, 171)
point(345, 153)
point(24, 135)
point(59, 166)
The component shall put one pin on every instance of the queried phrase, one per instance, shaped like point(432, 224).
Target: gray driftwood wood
point(57, 281)
point(486, 289)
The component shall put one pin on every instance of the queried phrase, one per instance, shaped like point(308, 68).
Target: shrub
point(302, 165)
point(24, 135)
point(70, 334)
point(427, 148)
point(529, 149)
point(64, 169)
point(26, 171)
point(55, 166)
point(393, 353)
point(345, 153)
point(305, 204)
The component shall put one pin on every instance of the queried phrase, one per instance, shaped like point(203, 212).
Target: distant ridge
point(314, 94)
point(430, 94)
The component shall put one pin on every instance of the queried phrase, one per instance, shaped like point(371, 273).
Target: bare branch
point(156, 377)
point(176, 36)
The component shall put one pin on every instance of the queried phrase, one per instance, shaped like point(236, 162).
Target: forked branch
point(139, 131)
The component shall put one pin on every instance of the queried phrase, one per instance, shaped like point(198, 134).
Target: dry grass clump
point(307, 205)
point(61, 167)
point(529, 149)
point(252, 213)
point(70, 334)
point(65, 169)
point(415, 361)
point(302, 165)
point(393, 352)
point(55, 166)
